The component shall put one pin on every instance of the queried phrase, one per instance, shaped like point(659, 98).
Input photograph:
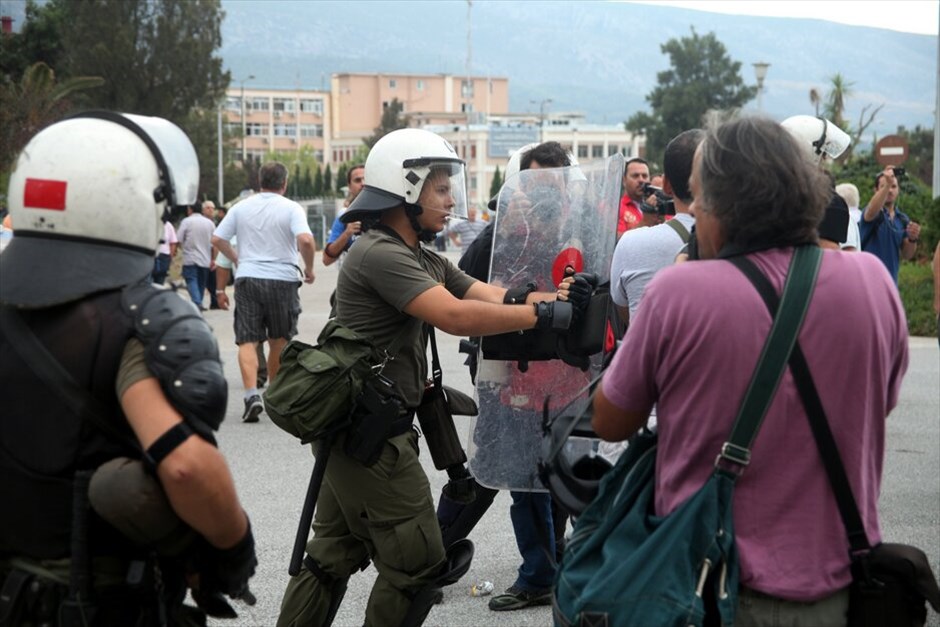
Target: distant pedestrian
point(195, 238)
point(463, 232)
point(165, 254)
point(271, 230)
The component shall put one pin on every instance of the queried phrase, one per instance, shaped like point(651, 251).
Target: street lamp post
point(242, 83)
point(760, 71)
point(542, 104)
point(218, 114)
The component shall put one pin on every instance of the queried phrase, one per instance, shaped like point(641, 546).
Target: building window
point(312, 106)
point(582, 151)
point(258, 104)
point(318, 155)
point(597, 152)
point(254, 129)
point(233, 103)
point(311, 130)
point(466, 88)
point(285, 104)
point(233, 128)
point(285, 130)
point(466, 107)
point(419, 85)
point(613, 149)
point(392, 83)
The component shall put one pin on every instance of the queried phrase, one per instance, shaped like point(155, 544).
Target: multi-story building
point(279, 119)
point(473, 114)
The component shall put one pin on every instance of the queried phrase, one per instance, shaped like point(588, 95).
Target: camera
point(664, 205)
point(900, 173)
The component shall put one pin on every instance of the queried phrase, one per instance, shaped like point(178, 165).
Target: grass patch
point(915, 281)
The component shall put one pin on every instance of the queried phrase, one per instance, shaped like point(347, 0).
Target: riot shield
point(549, 222)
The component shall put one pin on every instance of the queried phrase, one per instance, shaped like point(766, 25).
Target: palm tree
point(33, 103)
point(839, 92)
point(815, 99)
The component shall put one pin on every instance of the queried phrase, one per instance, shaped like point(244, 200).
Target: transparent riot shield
point(549, 222)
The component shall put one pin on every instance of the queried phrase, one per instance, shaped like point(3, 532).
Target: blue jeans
point(196, 277)
point(531, 514)
point(161, 266)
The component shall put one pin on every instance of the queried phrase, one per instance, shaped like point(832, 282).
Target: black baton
point(322, 455)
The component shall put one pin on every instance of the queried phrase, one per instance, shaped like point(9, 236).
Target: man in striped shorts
point(271, 230)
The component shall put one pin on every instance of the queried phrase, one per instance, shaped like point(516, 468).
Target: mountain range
point(600, 58)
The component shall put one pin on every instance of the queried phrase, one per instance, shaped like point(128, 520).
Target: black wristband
point(517, 295)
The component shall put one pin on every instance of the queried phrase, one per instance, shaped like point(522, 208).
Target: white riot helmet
point(398, 166)
point(512, 171)
point(88, 196)
point(818, 135)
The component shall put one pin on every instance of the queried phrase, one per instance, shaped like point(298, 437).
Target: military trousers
point(384, 512)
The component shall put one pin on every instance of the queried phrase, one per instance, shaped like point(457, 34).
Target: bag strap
point(797, 292)
point(437, 372)
point(45, 366)
point(825, 442)
point(680, 230)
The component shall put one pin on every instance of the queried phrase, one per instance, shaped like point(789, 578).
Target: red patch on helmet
point(44, 194)
point(568, 258)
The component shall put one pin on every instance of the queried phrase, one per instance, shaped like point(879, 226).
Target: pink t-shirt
point(692, 349)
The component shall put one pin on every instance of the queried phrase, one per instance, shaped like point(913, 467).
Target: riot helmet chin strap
point(413, 210)
point(819, 143)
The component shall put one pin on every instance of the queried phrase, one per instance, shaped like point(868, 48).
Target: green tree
point(306, 185)
point(834, 105)
point(293, 182)
point(392, 120)
point(920, 151)
point(37, 100)
point(318, 183)
point(497, 183)
point(38, 41)
point(328, 181)
point(340, 178)
point(702, 78)
point(157, 57)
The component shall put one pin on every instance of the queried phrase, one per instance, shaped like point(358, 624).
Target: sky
point(908, 16)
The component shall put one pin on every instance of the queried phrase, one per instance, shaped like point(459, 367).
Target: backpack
point(314, 391)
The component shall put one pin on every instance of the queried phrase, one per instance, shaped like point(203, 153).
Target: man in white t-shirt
point(271, 230)
point(643, 252)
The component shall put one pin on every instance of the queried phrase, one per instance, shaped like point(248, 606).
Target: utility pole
point(936, 124)
point(468, 98)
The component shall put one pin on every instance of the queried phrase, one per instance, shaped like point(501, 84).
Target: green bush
point(915, 281)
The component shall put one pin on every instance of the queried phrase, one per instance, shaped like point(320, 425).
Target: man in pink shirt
point(695, 342)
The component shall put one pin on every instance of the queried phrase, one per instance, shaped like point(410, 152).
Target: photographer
point(642, 253)
point(389, 288)
point(886, 231)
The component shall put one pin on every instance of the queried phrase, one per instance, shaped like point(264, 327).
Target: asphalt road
point(271, 471)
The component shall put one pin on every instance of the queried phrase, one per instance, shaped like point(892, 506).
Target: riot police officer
point(114, 494)
point(389, 289)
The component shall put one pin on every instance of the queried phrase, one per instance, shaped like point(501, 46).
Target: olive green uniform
point(384, 512)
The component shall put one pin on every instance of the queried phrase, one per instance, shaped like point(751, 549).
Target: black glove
point(228, 570)
point(554, 315)
point(580, 292)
